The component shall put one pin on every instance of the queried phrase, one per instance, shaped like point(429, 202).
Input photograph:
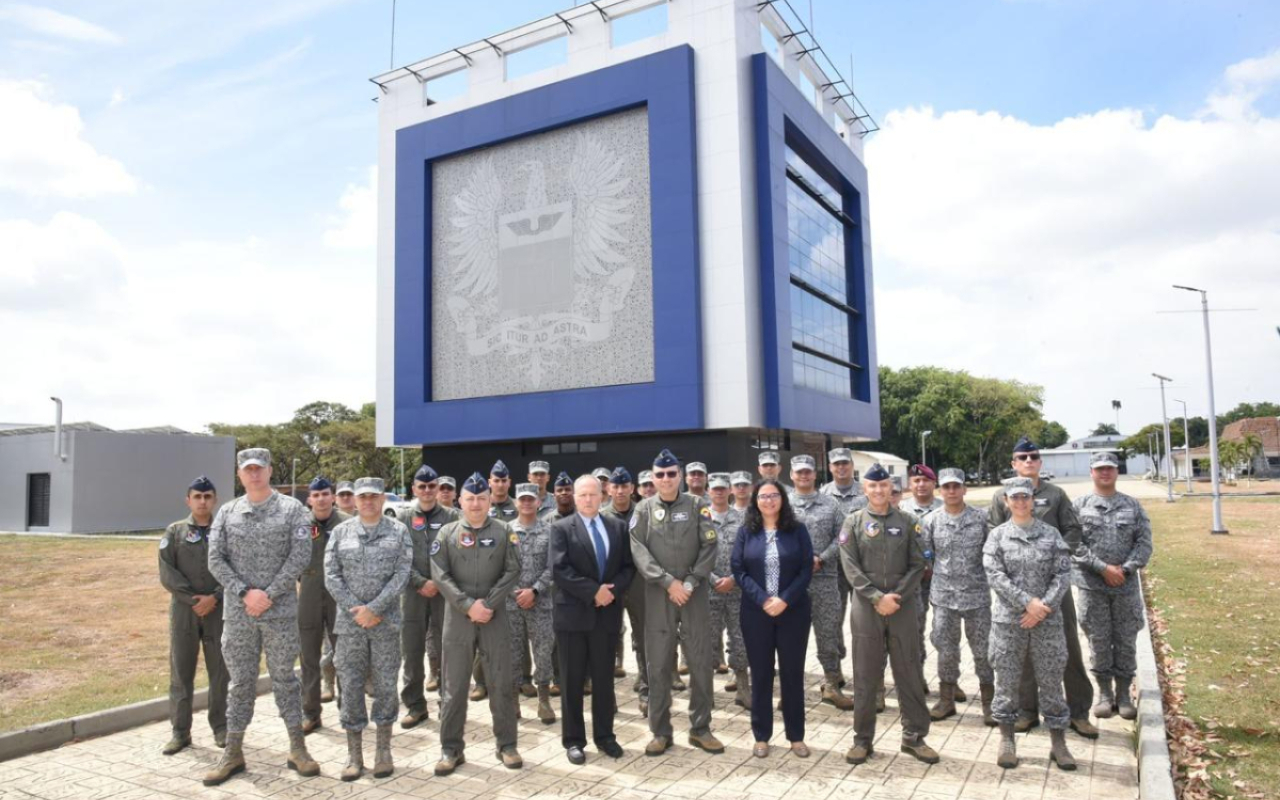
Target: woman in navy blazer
point(775, 623)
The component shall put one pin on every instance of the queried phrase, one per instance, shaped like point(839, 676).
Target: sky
point(187, 196)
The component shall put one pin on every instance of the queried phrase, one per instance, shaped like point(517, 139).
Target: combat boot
point(1124, 703)
point(1008, 757)
point(946, 705)
point(988, 691)
point(433, 681)
point(961, 697)
point(1105, 708)
point(510, 757)
point(220, 739)
point(383, 766)
point(677, 683)
point(310, 724)
point(644, 706)
point(515, 704)
point(832, 694)
point(880, 699)
point(327, 688)
point(859, 753)
point(300, 761)
point(731, 685)
point(479, 693)
point(231, 762)
point(449, 761)
point(1026, 723)
point(619, 671)
point(743, 696)
point(1058, 751)
point(528, 689)
point(180, 741)
point(355, 757)
point(706, 741)
point(919, 750)
point(545, 712)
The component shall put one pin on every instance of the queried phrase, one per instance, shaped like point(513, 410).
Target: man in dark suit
point(591, 568)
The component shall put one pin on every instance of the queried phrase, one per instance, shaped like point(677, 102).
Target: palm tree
point(1250, 449)
point(1229, 455)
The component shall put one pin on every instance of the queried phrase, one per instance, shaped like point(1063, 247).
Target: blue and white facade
point(585, 231)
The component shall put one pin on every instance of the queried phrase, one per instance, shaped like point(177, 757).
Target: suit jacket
point(574, 571)
point(795, 566)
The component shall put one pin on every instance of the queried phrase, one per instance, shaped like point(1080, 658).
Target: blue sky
point(191, 168)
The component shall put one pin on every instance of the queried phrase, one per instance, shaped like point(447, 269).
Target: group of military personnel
point(374, 601)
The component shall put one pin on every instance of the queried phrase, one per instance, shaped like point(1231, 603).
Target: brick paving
point(129, 765)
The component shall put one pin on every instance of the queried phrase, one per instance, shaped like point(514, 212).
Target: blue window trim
point(782, 118)
point(664, 83)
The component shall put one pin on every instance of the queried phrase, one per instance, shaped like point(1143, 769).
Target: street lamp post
point(402, 470)
point(1151, 456)
point(1168, 444)
point(293, 479)
point(1213, 417)
point(1186, 442)
point(923, 451)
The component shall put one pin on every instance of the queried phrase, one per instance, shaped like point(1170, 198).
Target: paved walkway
point(129, 764)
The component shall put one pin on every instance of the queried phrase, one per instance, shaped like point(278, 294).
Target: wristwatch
point(688, 587)
point(243, 592)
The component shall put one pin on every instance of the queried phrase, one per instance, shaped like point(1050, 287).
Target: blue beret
point(620, 476)
point(563, 479)
point(201, 484)
point(319, 483)
point(1025, 445)
point(476, 484)
point(876, 473)
point(666, 459)
point(425, 474)
point(499, 470)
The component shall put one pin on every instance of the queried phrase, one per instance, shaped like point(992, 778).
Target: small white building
point(863, 459)
point(1073, 462)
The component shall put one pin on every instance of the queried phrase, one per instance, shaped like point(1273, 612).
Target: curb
point(1155, 768)
point(48, 735)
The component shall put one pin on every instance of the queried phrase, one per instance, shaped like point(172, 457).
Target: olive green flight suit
point(421, 614)
point(316, 613)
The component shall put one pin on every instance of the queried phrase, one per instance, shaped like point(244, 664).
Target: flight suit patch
point(873, 529)
point(1042, 501)
point(705, 511)
point(435, 547)
point(894, 531)
point(659, 514)
point(419, 523)
point(164, 542)
point(435, 526)
point(467, 540)
point(515, 540)
point(315, 533)
point(488, 541)
point(711, 536)
point(192, 537)
point(680, 516)
point(302, 532)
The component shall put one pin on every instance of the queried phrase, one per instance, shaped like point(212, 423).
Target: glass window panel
point(817, 244)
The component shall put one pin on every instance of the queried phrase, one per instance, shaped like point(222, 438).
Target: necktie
point(598, 538)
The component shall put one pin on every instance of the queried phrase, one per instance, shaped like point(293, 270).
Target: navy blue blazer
point(795, 566)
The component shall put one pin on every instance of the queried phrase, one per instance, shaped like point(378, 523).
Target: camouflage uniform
point(822, 516)
point(316, 613)
point(532, 626)
point(850, 499)
point(423, 616)
point(264, 546)
point(960, 590)
point(1116, 531)
point(727, 607)
point(1023, 564)
point(184, 571)
point(368, 567)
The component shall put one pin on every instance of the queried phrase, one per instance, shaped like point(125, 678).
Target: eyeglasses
point(670, 473)
point(769, 498)
point(1027, 457)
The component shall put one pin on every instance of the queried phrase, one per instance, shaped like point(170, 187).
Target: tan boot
point(1105, 707)
point(859, 753)
point(527, 689)
point(1008, 756)
point(479, 693)
point(706, 741)
point(731, 685)
point(327, 688)
point(946, 705)
point(355, 757)
point(1124, 703)
point(743, 697)
point(510, 757)
point(545, 713)
point(449, 762)
point(657, 746)
point(383, 766)
point(831, 693)
point(920, 751)
point(231, 762)
point(1058, 752)
point(180, 740)
point(413, 719)
point(961, 697)
point(1026, 723)
point(300, 761)
point(309, 725)
point(988, 691)
point(880, 699)
point(433, 681)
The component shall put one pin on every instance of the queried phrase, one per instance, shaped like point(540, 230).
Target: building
point(99, 480)
point(1072, 459)
point(1265, 463)
point(626, 226)
point(863, 459)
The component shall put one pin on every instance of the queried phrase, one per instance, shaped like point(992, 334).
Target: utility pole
point(1168, 443)
point(1186, 442)
point(923, 451)
point(293, 479)
point(402, 471)
point(1218, 527)
point(1151, 456)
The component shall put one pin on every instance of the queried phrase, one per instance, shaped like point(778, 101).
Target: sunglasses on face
point(1027, 457)
point(671, 473)
point(769, 498)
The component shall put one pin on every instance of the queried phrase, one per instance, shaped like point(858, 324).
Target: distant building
point(863, 459)
point(100, 480)
point(1265, 464)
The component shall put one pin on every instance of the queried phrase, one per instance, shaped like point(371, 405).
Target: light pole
point(1151, 456)
point(1186, 441)
point(1168, 444)
point(923, 451)
point(293, 479)
point(1213, 417)
point(402, 471)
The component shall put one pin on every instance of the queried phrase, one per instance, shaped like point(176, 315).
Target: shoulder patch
point(634, 519)
point(918, 527)
point(435, 547)
point(164, 542)
point(302, 532)
point(514, 539)
point(844, 536)
point(705, 511)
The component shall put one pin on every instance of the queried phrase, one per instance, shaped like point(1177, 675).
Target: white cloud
point(1042, 252)
point(43, 152)
point(356, 224)
point(48, 22)
point(70, 260)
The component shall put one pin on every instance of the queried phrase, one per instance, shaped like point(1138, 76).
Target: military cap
point(666, 459)
point(876, 473)
point(344, 486)
point(767, 457)
point(620, 476)
point(563, 479)
point(477, 484)
point(741, 477)
point(1025, 445)
point(319, 483)
point(1018, 486)
point(922, 471)
point(601, 472)
point(897, 483)
point(498, 470)
point(951, 475)
point(370, 486)
point(539, 466)
point(802, 462)
point(718, 480)
point(1104, 460)
point(646, 476)
point(201, 484)
point(425, 474)
point(696, 466)
point(526, 490)
point(840, 454)
point(448, 480)
point(253, 457)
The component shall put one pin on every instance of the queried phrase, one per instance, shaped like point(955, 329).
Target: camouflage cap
point(344, 487)
point(802, 462)
point(448, 480)
point(646, 476)
point(951, 475)
point(740, 477)
point(840, 454)
point(696, 466)
point(253, 457)
point(526, 490)
point(767, 457)
point(370, 486)
point(1104, 460)
point(539, 466)
point(1019, 486)
point(601, 473)
point(718, 480)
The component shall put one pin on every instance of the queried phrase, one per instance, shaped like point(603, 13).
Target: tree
point(1105, 429)
point(1052, 435)
point(1250, 449)
point(1247, 411)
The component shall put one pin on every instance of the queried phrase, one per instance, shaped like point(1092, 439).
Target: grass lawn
point(1220, 596)
point(85, 626)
